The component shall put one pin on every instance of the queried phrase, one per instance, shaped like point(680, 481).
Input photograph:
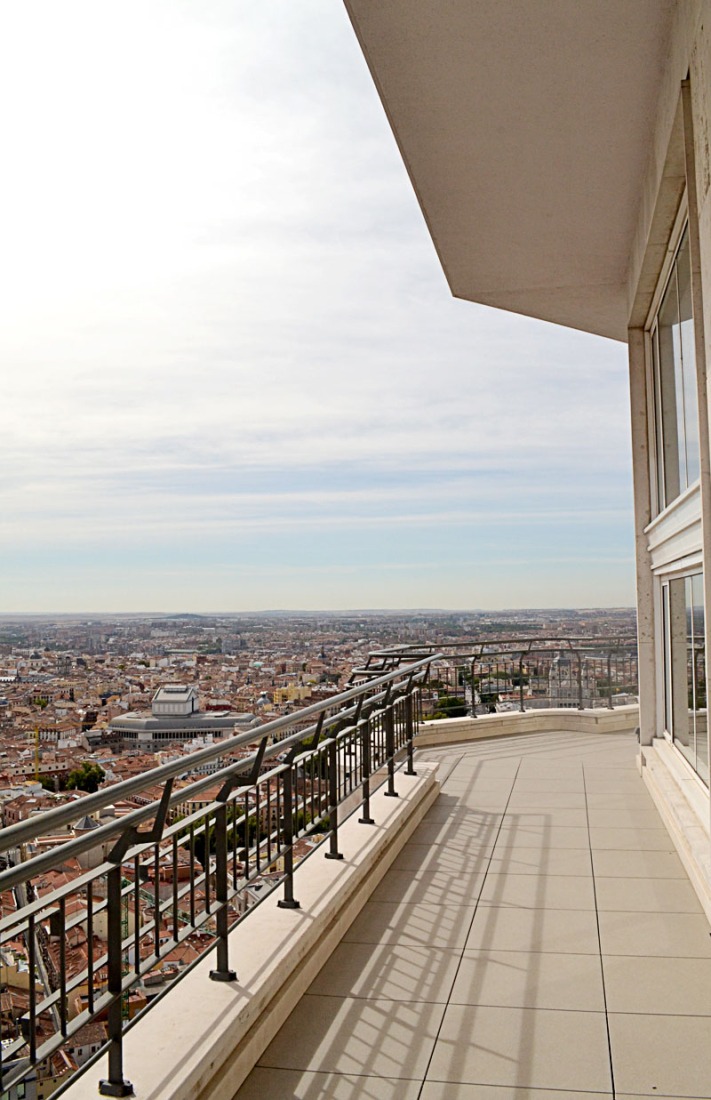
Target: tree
point(86, 778)
point(449, 706)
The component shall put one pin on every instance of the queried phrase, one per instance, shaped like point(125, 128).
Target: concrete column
point(646, 643)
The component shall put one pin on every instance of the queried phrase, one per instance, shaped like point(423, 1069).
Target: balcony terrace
point(536, 937)
point(515, 922)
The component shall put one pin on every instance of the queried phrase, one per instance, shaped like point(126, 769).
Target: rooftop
point(536, 937)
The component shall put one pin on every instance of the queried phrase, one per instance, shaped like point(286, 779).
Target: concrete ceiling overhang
point(526, 128)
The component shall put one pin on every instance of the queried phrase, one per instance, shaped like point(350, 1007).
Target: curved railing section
point(474, 678)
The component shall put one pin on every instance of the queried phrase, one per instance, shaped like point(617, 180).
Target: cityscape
point(90, 702)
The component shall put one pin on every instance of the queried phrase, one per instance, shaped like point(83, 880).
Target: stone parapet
point(444, 731)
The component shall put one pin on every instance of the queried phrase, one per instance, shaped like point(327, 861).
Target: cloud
point(224, 316)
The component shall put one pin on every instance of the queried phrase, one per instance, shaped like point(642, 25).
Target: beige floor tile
point(444, 926)
point(471, 834)
point(538, 891)
point(609, 780)
point(373, 1038)
point(664, 986)
point(466, 806)
point(460, 887)
point(517, 860)
point(610, 863)
point(523, 979)
point(475, 799)
point(544, 771)
point(520, 1046)
point(620, 800)
point(633, 839)
point(543, 767)
point(391, 971)
point(442, 1090)
point(477, 769)
point(489, 803)
point(463, 782)
point(652, 895)
point(534, 930)
point(287, 1084)
point(481, 784)
point(546, 800)
point(542, 834)
point(643, 819)
point(654, 1055)
point(567, 781)
point(547, 817)
point(686, 935)
point(437, 857)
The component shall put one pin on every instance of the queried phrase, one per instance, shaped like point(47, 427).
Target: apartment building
point(560, 154)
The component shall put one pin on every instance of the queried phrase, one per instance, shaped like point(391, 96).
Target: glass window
point(675, 393)
point(685, 664)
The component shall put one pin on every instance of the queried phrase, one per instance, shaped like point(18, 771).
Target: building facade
point(176, 716)
point(561, 155)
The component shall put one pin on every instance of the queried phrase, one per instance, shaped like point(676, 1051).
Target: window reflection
point(686, 670)
point(677, 421)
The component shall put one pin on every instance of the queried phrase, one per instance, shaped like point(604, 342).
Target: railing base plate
point(222, 976)
point(284, 904)
point(366, 821)
point(334, 855)
point(111, 1088)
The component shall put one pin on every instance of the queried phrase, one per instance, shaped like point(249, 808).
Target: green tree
point(448, 706)
point(86, 778)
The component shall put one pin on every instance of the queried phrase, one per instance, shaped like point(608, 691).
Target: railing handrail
point(428, 649)
point(12, 836)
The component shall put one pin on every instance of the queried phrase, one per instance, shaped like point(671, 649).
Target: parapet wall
point(445, 731)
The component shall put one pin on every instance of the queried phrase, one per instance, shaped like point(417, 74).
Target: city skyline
point(237, 378)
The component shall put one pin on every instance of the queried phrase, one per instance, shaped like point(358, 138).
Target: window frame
point(651, 328)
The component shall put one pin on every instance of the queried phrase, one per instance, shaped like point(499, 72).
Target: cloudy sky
point(233, 377)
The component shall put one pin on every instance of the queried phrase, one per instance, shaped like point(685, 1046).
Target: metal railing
point(93, 942)
point(474, 678)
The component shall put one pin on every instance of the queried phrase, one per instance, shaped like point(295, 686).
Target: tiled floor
point(536, 938)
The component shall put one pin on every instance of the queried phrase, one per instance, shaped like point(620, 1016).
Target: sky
point(232, 376)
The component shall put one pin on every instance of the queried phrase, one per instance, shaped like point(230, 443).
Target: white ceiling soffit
point(526, 128)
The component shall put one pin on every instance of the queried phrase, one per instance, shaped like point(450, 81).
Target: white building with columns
point(561, 155)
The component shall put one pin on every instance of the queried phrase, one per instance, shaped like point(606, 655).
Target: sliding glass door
point(685, 669)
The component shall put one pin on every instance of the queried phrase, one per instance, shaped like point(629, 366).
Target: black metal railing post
point(390, 749)
point(410, 731)
point(115, 1084)
point(288, 901)
point(333, 852)
point(609, 680)
point(222, 972)
point(365, 818)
